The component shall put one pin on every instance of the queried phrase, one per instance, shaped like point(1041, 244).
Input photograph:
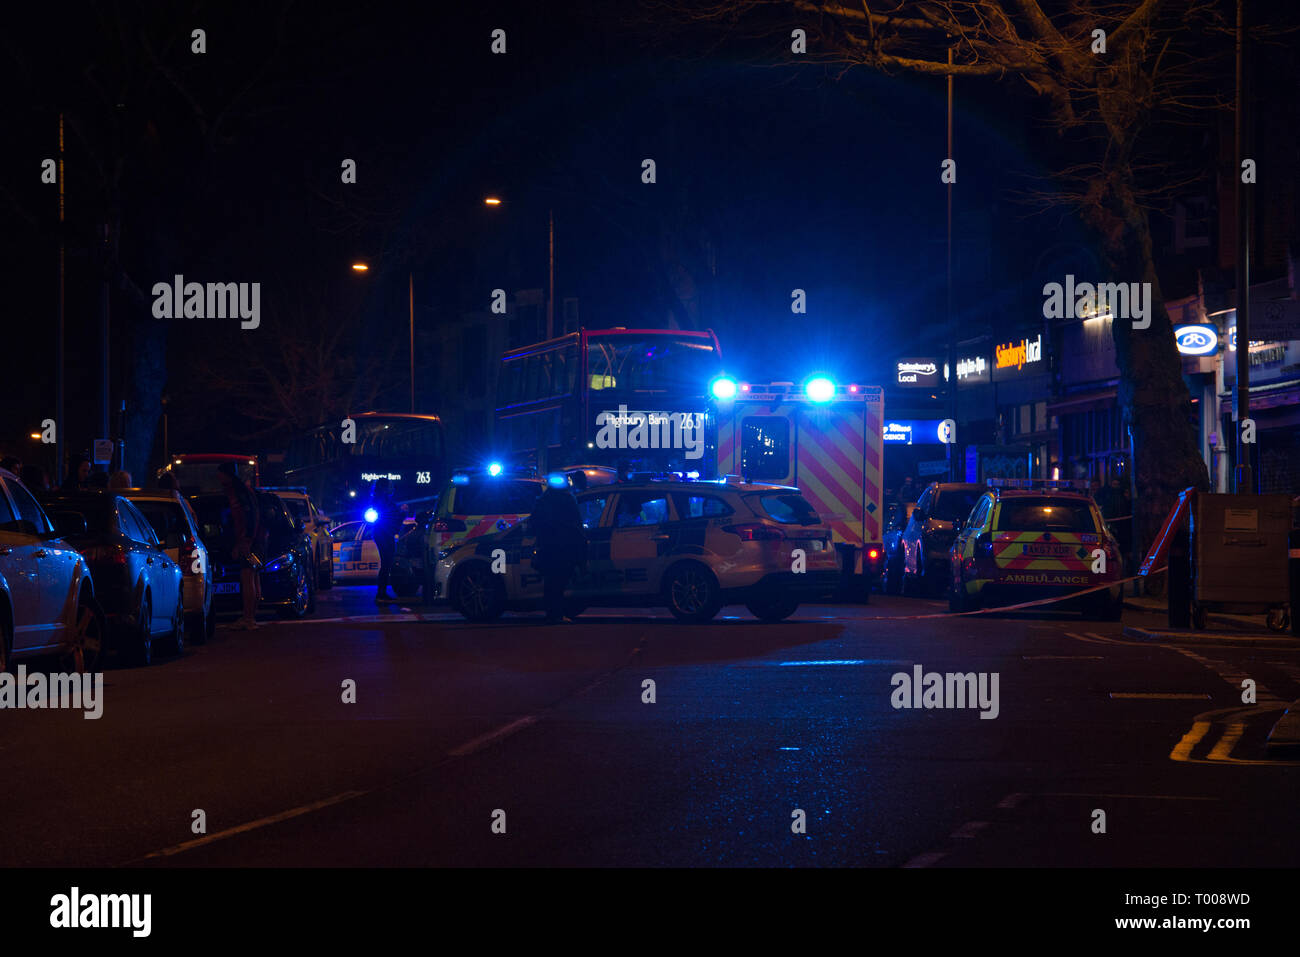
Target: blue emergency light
point(494, 469)
point(557, 480)
point(819, 389)
point(372, 516)
point(723, 387)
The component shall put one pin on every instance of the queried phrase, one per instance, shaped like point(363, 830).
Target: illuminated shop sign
point(918, 373)
point(1018, 358)
point(972, 370)
point(1197, 339)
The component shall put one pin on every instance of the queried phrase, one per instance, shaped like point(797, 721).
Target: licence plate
point(226, 588)
point(814, 545)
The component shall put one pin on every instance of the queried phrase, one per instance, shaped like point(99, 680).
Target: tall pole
point(550, 276)
point(1245, 476)
point(410, 290)
point(950, 383)
point(59, 348)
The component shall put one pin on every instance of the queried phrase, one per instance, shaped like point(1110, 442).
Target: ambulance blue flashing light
point(557, 480)
point(723, 388)
point(460, 478)
point(819, 389)
point(372, 516)
point(494, 469)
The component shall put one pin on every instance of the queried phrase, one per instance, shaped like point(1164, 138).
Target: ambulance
point(824, 439)
point(1027, 539)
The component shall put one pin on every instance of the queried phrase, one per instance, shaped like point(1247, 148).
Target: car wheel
point(957, 600)
point(691, 592)
point(775, 608)
point(142, 642)
point(894, 577)
point(478, 594)
point(301, 597)
point(176, 643)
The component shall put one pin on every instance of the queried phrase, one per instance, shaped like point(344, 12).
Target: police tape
point(1024, 604)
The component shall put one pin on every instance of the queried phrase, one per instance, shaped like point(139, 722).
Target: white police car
point(690, 546)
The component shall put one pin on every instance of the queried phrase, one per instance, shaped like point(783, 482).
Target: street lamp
point(360, 267)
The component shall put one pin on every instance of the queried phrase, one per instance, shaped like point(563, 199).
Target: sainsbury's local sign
point(1018, 358)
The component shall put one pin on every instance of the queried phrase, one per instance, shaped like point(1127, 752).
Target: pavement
point(370, 737)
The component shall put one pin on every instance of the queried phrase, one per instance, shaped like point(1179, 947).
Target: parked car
point(287, 576)
point(1021, 544)
point(692, 547)
point(929, 534)
point(310, 520)
point(896, 518)
point(177, 528)
point(47, 593)
point(137, 583)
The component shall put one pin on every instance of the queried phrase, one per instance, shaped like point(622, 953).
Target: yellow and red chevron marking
point(831, 448)
point(1009, 552)
point(872, 469)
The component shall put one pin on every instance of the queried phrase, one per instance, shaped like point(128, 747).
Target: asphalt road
point(751, 723)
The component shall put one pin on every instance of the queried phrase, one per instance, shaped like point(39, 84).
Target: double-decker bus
point(338, 465)
point(613, 397)
point(196, 472)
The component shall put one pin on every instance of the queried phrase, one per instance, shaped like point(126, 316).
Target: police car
point(1025, 540)
point(690, 546)
point(476, 502)
point(356, 557)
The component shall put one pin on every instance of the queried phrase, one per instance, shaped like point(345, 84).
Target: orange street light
point(492, 201)
point(360, 267)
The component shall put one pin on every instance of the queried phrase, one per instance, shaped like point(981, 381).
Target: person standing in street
point(246, 532)
point(386, 525)
point(561, 544)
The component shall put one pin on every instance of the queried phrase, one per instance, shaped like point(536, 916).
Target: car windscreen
point(955, 503)
point(297, 508)
point(167, 518)
point(212, 511)
point(787, 508)
point(1045, 515)
point(493, 498)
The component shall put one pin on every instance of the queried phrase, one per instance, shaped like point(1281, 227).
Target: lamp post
point(360, 267)
point(550, 264)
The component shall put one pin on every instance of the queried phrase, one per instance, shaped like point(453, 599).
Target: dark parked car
point(896, 519)
point(137, 584)
point(929, 535)
point(287, 575)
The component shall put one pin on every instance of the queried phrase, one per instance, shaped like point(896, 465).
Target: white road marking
point(483, 740)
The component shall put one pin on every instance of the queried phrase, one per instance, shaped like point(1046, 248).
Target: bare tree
point(1108, 74)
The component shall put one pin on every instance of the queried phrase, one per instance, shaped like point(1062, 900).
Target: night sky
point(768, 180)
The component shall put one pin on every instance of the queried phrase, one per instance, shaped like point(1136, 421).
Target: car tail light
point(873, 553)
point(755, 532)
point(114, 554)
